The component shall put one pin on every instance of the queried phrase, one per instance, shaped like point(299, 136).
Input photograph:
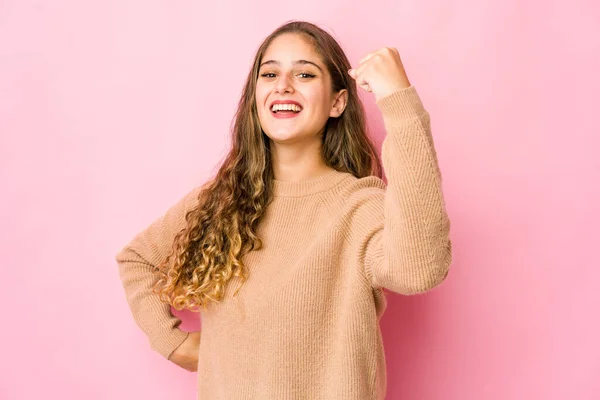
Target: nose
point(283, 84)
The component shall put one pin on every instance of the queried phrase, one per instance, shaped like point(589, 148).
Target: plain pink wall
point(111, 110)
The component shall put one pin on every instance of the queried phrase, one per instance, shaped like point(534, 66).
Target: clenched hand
point(186, 355)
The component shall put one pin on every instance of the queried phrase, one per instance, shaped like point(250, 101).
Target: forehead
point(290, 46)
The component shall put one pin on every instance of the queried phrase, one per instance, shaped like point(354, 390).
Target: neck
point(298, 162)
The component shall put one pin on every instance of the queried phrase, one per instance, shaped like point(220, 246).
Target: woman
point(286, 252)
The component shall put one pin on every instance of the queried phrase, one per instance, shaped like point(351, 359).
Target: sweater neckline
point(309, 186)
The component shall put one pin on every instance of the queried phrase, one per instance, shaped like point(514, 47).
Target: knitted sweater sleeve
point(136, 262)
point(409, 250)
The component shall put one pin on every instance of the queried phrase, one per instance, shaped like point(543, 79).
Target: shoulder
point(355, 191)
point(360, 189)
point(358, 200)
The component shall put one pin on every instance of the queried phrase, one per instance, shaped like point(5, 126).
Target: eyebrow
point(295, 62)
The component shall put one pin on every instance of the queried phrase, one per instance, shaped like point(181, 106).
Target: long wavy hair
point(208, 252)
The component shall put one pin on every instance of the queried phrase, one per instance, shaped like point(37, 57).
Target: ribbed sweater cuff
point(166, 344)
point(400, 105)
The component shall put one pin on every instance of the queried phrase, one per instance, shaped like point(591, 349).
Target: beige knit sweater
point(305, 325)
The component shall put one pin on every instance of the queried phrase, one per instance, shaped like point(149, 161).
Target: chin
point(282, 136)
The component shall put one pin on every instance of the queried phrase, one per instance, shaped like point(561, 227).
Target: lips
point(285, 114)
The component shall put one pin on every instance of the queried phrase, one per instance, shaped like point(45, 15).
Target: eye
point(304, 75)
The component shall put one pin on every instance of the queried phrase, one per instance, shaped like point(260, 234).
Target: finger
point(357, 77)
point(358, 72)
point(371, 54)
point(365, 58)
point(355, 71)
point(365, 87)
point(360, 82)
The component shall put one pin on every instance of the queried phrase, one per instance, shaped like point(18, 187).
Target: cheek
point(261, 95)
point(318, 98)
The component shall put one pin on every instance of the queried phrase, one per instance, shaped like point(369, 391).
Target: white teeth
point(286, 107)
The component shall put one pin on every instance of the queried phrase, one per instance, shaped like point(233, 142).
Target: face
point(293, 77)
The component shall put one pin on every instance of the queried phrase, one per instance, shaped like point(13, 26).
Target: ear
point(339, 104)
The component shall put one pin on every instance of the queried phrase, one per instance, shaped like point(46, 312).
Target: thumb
point(359, 81)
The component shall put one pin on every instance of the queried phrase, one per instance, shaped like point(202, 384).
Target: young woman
point(286, 252)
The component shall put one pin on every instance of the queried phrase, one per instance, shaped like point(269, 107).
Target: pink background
point(111, 110)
